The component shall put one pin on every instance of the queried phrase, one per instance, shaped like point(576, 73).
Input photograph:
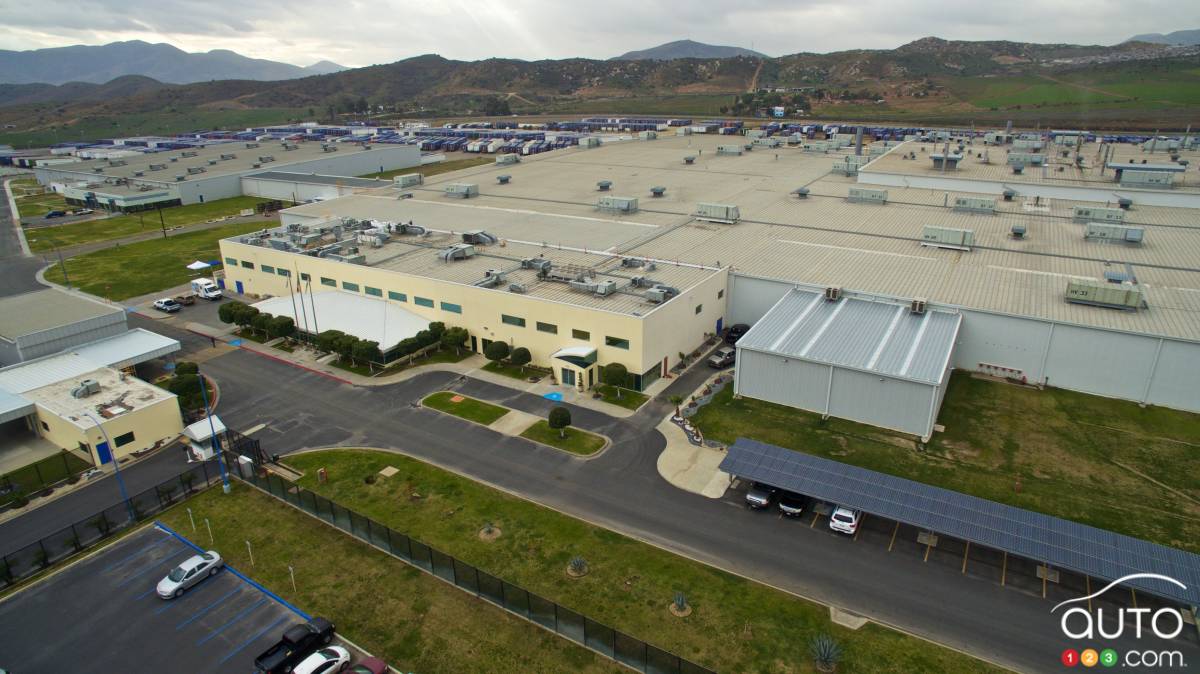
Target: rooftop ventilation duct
point(86, 388)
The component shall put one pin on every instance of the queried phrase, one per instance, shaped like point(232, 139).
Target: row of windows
point(552, 329)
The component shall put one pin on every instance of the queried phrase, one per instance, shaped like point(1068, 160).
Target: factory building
point(864, 287)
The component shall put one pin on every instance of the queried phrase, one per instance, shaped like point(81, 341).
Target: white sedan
point(325, 661)
point(193, 570)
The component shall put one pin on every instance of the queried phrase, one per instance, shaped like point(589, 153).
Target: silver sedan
point(193, 570)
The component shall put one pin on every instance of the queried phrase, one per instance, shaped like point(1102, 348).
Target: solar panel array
point(1054, 541)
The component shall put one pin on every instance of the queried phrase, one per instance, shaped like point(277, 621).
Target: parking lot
point(102, 615)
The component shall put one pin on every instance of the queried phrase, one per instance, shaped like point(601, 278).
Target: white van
point(205, 288)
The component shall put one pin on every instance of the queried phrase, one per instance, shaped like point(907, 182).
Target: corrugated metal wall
point(1105, 363)
point(52, 341)
point(750, 298)
point(795, 383)
point(1176, 376)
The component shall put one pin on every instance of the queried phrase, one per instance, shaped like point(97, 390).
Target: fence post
point(204, 465)
point(41, 480)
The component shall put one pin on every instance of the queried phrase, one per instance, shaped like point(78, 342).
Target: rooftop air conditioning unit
point(833, 294)
point(917, 307)
point(180, 178)
point(86, 388)
point(212, 162)
point(251, 146)
point(1018, 231)
point(138, 174)
point(517, 288)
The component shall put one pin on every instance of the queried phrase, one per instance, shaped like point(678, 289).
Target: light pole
point(216, 444)
point(61, 263)
point(116, 465)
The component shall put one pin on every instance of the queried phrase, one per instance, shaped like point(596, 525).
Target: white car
point(325, 661)
point(845, 520)
point(193, 570)
point(168, 305)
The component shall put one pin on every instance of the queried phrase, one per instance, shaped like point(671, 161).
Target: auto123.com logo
point(1079, 623)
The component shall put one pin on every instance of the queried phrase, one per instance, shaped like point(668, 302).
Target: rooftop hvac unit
point(266, 159)
point(173, 159)
point(408, 180)
point(1025, 159)
point(256, 165)
point(690, 159)
point(947, 237)
point(766, 142)
point(517, 288)
point(1124, 203)
point(833, 294)
point(1009, 194)
point(180, 178)
point(289, 148)
point(603, 185)
point(157, 167)
point(1158, 179)
point(212, 162)
point(86, 388)
point(329, 148)
point(479, 237)
point(458, 251)
point(593, 286)
point(975, 204)
point(917, 306)
point(657, 191)
point(724, 213)
point(648, 135)
point(1108, 232)
point(193, 170)
point(97, 169)
point(539, 264)
point(866, 195)
point(658, 295)
point(138, 174)
point(251, 146)
point(618, 204)
point(1018, 169)
point(505, 159)
point(461, 190)
point(187, 154)
point(491, 278)
point(731, 150)
point(801, 192)
point(117, 162)
point(591, 142)
point(1096, 214)
point(1018, 231)
point(1127, 296)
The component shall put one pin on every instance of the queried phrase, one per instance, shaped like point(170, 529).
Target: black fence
point(47, 473)
point(572, 625)
point(88, 531)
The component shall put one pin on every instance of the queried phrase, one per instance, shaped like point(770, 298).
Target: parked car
point(55, 214)
point(369, 666)
point(296, 643)
point(168, 305)
point(760, 495)
point(325, 661)
point(91, 474)
point(735, 332)
point(193, 570)
point(792, 504)
point(82, 211)
point(845, 520)
point(724, 357)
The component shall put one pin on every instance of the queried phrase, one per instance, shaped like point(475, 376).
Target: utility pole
point(162, 222)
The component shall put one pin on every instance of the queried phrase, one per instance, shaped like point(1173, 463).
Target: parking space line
point(179, 600)
point(147, 592)
point(149, 568)
point(166, 539)
point(966, 553)
point(241, 614)
point(198, 614)
point(814, 520)
point(894, 531)
point(252, 639)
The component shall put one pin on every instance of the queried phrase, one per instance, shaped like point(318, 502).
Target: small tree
point(186, 367)
point(328, 339)
point(616, 375)
point(245, 316)
point(454, 338)
point(229, 310)
point(262, 323)
point(560, 420)
point(367, 352)
point(676, 400)
point(520, 357)
point(282, 326)
point(437, 328)
point(496, 352)
point(345, 347)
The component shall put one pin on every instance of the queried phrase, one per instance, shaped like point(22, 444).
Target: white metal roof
point(13, 406)
point(577, 351)
point(878, 337)
point(364, 317)
point(135, 346)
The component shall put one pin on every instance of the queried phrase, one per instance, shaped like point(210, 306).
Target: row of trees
point(498, 352)
point(247, 317)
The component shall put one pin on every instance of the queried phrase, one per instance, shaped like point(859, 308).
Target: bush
point(560, 419)
point(327, 340)
point(366, 352)
point(229, 311)
point(453, 338)
point(615, 374)
point(496, 351)
point(437, 329)
point(262, 323)
point(281, 326)
point(826, 652)
point(186, 367)
point(520, 357)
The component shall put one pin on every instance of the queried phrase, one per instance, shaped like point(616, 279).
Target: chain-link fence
point(88, 531)
point(599, 637)
point(47, 473)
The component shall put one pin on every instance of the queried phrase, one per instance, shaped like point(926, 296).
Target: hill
point(1184, 37)
point(686, 49)
point(162, 62)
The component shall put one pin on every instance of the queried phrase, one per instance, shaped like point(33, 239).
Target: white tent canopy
point(198, 266)
point(364, 317)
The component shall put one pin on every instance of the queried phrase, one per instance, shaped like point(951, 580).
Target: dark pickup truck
point(297, 642)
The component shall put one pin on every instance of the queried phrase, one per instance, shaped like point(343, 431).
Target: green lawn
point(1063, 447)
point(103, 229)
point(363, 370)
point(737, 625)
point(428, 170)
point(410, 619)
point(148, 266)
point(250, 334)
point(467, 408)
point(32, 202)
point(630, 400)
point(513, 371)
point(443, 356)
point(35, 476)
point(576, 441)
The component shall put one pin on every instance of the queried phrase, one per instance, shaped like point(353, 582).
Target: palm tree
point(676, 400)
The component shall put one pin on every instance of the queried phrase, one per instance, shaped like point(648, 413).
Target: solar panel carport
point(1057, 542)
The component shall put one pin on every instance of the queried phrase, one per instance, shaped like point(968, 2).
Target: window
point(328, 282)
point(581, 334)
point(452, 308)
point(283, 272)
point(45, 426)
point(423, 302)
point(230, 262)
point(267, 269)
point(512, 320)
point(399, 297)
point(374, 292)
point(616, 342)
point(305, 277)
point(247, 265)
point(122, 440)
point(720, 293)
point(547, 327)
point(346, 285)
point(699, 308)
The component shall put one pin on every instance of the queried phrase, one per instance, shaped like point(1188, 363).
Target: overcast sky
point(357, 33)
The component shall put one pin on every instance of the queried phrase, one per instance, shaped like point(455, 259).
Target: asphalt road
point(17, 272)
point(102, 615)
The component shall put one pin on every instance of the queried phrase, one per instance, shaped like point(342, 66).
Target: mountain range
point(162, 62)
point(1184, 37)
point(685, 49)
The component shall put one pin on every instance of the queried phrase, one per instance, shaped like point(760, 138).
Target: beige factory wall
point(157, 423)
point(482, 308)
point(679, 326)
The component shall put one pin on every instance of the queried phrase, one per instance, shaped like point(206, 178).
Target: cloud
point(361, 33)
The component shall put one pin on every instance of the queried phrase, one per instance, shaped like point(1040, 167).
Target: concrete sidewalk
point(693, 468)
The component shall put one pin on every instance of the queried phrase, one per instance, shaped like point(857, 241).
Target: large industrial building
point(178, 177)
point(867, 278)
